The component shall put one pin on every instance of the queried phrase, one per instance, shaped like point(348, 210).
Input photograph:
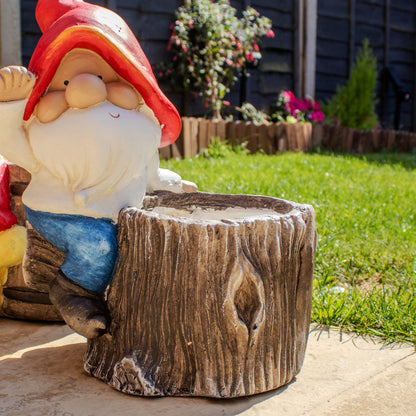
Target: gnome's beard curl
point(98, 150)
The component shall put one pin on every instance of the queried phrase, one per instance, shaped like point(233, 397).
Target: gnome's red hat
point(70, 24)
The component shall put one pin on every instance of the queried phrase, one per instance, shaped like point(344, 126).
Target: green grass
point(365, 269)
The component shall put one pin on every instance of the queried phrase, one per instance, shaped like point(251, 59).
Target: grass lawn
point(365, 269)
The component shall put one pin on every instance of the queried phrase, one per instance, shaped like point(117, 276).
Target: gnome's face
point(91, 129)
point(82, 80)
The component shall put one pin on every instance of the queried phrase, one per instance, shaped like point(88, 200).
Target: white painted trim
point(311, 20)
point(10, 33)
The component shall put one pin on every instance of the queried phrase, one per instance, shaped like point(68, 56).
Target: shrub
point(212, 45)
point(353, 105)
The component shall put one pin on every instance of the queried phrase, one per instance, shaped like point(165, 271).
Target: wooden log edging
point(200, 308)
point(197, 133)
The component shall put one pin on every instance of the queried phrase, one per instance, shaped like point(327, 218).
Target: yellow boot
point(12, 249)
point(3, 279)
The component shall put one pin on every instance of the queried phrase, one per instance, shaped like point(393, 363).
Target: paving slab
point(41, 373)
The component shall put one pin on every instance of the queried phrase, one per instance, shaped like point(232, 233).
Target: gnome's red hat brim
point(102, 31)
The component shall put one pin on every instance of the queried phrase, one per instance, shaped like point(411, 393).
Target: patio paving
point(41, 373)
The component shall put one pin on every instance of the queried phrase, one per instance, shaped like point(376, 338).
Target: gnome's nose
point(85, 90)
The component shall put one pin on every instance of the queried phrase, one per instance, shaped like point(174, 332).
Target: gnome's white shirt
point(93, 162)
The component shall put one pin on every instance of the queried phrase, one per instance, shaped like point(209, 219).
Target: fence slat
point(211, 131)
point(281, 137)
point(203, 141)
point(165, 152)
point(252, 137)
point(412, 142)
point(194, 142)
point(230, 131)
point(221, 129)
point(186, 132)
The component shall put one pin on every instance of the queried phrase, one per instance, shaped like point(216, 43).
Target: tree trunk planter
point(211, 296)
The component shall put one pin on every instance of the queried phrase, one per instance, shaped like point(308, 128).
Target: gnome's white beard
point(99, 148)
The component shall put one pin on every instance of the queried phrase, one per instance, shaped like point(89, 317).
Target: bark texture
point(208, 308)
point(27, 286)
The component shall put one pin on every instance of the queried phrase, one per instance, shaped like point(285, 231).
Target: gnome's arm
point(162, 179)
point(16, 83)
point(166, 180)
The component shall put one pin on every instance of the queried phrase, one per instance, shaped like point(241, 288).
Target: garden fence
point(197, 134)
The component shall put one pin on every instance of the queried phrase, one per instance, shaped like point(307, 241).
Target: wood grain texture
point(199, 308)
point(41, 263)
point(26, 292)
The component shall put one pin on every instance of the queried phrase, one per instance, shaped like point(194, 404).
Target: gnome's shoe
point(84, 311)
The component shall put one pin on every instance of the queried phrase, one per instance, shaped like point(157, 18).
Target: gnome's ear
point(49, 11)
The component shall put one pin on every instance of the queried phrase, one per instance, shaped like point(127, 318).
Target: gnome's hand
point(189, 187)
point(16, 83)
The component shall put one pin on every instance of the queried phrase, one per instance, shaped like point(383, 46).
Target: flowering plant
point(212, 45)
point(290, 109)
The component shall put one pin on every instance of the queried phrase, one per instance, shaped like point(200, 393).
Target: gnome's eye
point(66, 82)
point(100, 76)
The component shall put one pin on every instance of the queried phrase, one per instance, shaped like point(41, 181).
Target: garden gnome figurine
point(12, 235)
point(86, 119)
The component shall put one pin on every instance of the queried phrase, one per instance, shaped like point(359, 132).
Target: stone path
point(41, 373)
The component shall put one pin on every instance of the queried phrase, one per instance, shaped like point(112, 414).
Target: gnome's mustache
point(113, 150)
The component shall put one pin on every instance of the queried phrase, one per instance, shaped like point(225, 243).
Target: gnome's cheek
point(51, 106)
point(123, 95)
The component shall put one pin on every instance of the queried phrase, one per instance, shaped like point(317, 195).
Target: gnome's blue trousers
point(90, 246)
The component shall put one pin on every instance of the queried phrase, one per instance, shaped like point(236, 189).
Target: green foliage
point(211, 45)
point(218, 149)
point(353, 105)
point(365, 268)
point(251, 113)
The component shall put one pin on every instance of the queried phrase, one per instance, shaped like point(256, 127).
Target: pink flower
point(291, 108)
point(302, 104)
point(270, 33)
point(317, 116)
point(250, 57)
point(226, 102)
point(256, 47)
point(288, 96)
point(184, 48)
point(316, 106)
